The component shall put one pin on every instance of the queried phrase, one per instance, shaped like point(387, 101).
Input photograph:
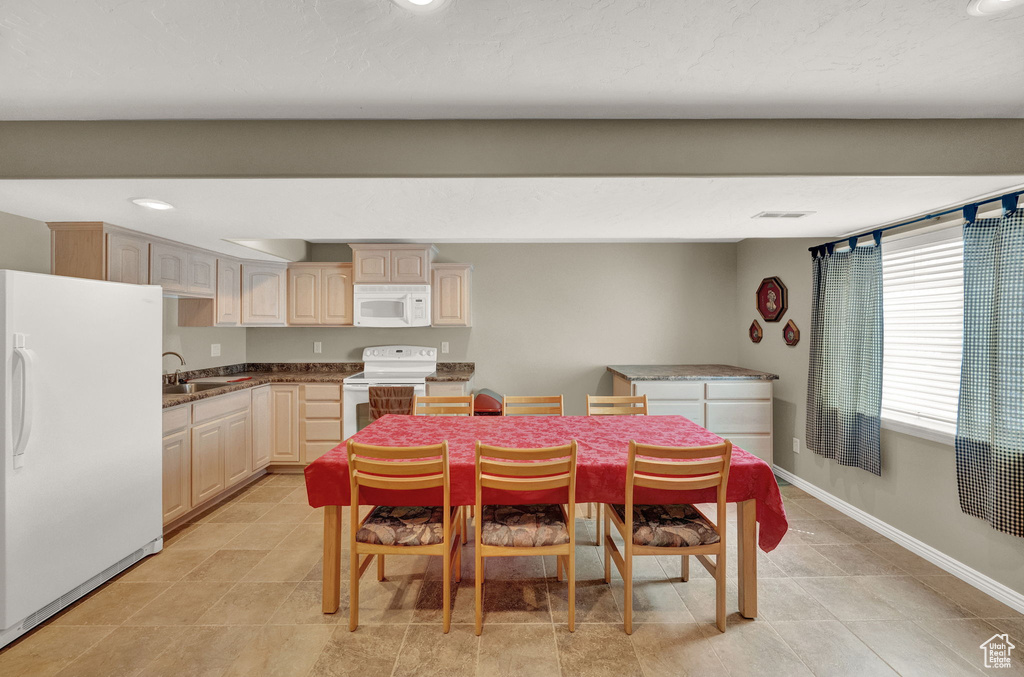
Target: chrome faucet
point(177, 372)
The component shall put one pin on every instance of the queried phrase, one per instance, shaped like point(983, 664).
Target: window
point(923, 306)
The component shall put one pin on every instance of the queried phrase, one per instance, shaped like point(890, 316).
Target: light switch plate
point(318, 347)
point(214, 350)
point(796, 445)
point(444, 347)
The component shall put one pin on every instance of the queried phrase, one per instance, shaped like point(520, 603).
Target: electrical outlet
point(444, 347)
point(318, 347)
point(214, 350)
point(796, 445)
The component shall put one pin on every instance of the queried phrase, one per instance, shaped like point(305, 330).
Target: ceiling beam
point(509, 148)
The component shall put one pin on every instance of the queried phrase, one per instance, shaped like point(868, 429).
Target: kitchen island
point(732, 402)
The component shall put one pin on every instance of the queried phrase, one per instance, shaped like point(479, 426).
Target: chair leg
point(380, 567)
point(685, 568)
point(559, 565)
point(597, 523)
point(353, 591)
point(607, 550)
point(571, 557)
point(627, 578)
point(590, 507)
point(479, 590)
point(720, 590)
point(446, 594)
point(465, 531)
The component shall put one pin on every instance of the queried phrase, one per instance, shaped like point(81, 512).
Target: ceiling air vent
point(780, 215)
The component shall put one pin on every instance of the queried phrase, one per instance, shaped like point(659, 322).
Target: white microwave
point(391, 305)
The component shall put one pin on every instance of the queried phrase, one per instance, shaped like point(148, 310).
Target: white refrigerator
point(80, 486)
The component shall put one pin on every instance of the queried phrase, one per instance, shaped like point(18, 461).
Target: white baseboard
point(987, 585)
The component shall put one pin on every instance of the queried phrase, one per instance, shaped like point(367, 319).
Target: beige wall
point(193, 343)
point(24, 244)
point(917, 490)
point(549, 318)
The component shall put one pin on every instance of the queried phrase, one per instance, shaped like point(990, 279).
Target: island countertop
point(688, 372)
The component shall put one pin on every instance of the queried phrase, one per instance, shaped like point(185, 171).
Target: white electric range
point(384, 366)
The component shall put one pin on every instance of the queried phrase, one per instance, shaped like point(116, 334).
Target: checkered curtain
point(990, 420)
point(844, 389)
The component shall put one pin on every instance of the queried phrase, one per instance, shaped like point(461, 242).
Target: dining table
point(603, 447)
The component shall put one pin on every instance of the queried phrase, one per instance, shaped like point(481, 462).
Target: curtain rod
point(970, 211)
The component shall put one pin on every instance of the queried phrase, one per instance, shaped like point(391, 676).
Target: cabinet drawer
point(758, 445)
point(691, 410)
point(739, 417)
point(218, 407)
point(744, 390)
point(323, 409)
point(670, 390)
point(324, 391)
point(176, 419)
point(322, 431)
point(314, 450)
point(446, 389)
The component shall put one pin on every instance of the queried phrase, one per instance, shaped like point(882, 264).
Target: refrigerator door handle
point(26, 358)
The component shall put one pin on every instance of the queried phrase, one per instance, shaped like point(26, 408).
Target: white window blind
point(923, 305)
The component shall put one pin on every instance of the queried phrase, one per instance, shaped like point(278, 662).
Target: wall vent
point(780, 215)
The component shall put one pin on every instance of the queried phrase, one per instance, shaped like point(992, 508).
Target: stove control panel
point(398, 353)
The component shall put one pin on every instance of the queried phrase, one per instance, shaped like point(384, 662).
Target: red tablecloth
point(601, 462)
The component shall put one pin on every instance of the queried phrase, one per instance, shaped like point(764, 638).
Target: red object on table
point(600, 467)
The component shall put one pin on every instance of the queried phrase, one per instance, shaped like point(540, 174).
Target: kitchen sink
point(186, 388)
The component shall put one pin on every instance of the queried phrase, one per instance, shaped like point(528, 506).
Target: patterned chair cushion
point(388, 525)
point(518, 526)
point(669, 526)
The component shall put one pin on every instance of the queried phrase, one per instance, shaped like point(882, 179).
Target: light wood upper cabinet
point(264, 294)
point(320, 294)
point(202, 273)
point(392, 264)
point(262, 426)
point(336, 288)
point(304, 305)
point(167, 266)
point(229, 293)
point(177, 472)
point(127, 259)
point(372, 264)
point(284, 428)
point(450, 295)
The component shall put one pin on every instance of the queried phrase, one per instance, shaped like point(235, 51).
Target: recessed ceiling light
point(150, 203)
point(990, 7)
point(780, 215)
point(421, 6)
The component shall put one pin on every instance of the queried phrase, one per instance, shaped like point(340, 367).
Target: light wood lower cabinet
point(262, 426)
point(284, 424)
point(320, 420)
point(208, 442)
point(177, 477)
point(237, 448)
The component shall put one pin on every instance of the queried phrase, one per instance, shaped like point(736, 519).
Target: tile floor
point(237, 592)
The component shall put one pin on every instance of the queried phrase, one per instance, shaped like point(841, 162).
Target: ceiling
point(635, 209)
point(115, 59)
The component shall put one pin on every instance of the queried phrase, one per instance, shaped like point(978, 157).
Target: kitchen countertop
point(293, 372)
point(688, 372)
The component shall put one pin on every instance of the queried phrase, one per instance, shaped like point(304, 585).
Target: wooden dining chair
point(612, 405)
point(530, 405)
point(449, 405)
point(516, 530)
point(679, 529)
point(389, 530)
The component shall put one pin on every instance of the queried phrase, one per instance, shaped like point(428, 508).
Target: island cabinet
point(392, 263)
point(731, 402)
point(320, 294)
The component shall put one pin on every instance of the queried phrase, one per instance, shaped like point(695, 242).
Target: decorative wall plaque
point(791, 334)
point(755, 332)
point(771, 299)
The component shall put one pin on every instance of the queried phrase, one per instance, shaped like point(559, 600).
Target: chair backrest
point(616, 405)
point(679, 469)
point(529, 405)
point(507, 469)
point(398, 469)
point(451, 405)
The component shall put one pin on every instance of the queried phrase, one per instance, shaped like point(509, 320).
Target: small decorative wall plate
point(791, 334)
point(771, 299)
point(755, 332)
